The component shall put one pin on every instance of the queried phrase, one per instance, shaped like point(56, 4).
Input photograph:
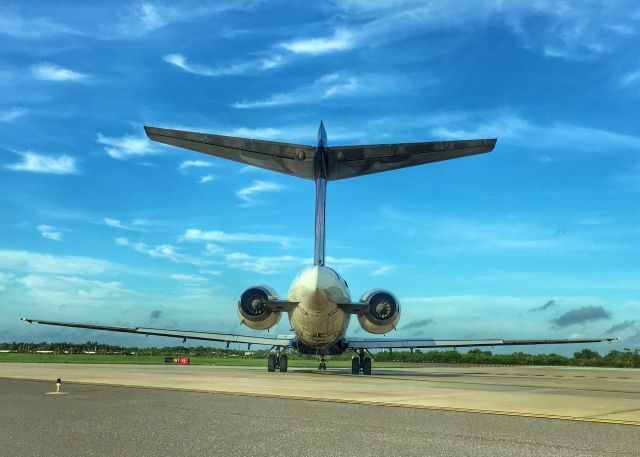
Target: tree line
point(585, 357)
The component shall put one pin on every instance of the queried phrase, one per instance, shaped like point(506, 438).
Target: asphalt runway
point(243, 411)
point(117, 421)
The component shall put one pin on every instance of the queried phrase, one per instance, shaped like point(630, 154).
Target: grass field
point(159, 360)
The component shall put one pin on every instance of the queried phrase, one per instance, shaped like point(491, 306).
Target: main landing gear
point(361, 363)
point(277, 361)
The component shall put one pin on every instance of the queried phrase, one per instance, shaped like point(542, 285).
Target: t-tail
point(321, 163)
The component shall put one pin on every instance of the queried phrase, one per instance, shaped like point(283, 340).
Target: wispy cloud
point(187, 164)
point(341, 40)
point(116, 223)
point(50, 72)
point(40, 163)
point(263, 264)
point(206, 178)
point(189, 278)
point(225, 237)
point(71, 289)
point(11, 114)
point(49, 232)
point(145, 17)
point(248, 194)
point(32, 262)
point(162, 251)
point(631, 79)
point(33, 27)
point(127, 147)
point(237, 68)
point(547, 305)
point(5, 279)
point(334, 85)
point(581, 316)
point(555, 30)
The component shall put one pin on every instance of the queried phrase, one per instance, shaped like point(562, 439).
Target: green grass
point(159, 360)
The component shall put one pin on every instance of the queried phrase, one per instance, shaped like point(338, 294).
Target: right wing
point(288, 158)
point(350, 161)
point(228, 338)
point(419, 343)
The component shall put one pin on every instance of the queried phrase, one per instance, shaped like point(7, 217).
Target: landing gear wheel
point(355, 365)
point(366, 366)
point(271, 363)
point(284, 362)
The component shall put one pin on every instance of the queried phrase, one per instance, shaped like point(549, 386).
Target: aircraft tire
point(366, 366)
point(284, 363)
point(355, 365)
point(271, 363)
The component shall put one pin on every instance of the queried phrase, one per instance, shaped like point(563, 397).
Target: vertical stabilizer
point(320, 172)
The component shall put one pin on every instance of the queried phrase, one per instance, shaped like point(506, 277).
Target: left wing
point(228, 338)
point(409, 343)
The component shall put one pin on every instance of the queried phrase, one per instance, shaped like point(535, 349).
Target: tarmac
point(195, 410)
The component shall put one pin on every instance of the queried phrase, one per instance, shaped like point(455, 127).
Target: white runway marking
point(57, 393)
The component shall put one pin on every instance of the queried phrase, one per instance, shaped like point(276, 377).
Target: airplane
point(319, 304)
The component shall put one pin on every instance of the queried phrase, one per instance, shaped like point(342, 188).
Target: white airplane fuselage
point(317, 320)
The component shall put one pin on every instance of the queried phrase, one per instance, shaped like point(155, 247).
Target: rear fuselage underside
point(318, 322)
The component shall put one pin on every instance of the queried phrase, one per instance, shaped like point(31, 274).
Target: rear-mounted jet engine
point(253, 309)
point(383, 314)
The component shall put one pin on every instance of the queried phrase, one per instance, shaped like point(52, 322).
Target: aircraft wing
point(409, 343)
point(288, 158)
point(228, 338)
point(350, 161)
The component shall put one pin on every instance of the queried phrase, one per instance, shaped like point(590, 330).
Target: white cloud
point(69, 289)
point(39, 163)
point(631, 79)
point(127, 147)
point(257, 188)
point(185, 165)
point(224, 237)
point(189, 278)
point(381, 271)
point(11, 114)
point(264, 264)
point(31, 28)
point(31, 262)
point(555, 29)
point(162, 251)
point(50, 72)
point(341, 40)
point(5, 279)
point(49, 232)
point(329, 86)
point(144, 17)
point(115, 223)
point(514, 129)
point(238, 68)
point(206, 178)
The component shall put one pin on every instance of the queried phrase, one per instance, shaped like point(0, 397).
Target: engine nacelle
point(383, 314)
point(253, 310)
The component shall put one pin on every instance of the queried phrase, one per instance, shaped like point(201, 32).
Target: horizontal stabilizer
point(340, 162)
point(291, 159)
point(350, 161)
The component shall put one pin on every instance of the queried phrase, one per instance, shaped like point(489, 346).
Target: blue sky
point(539, 239)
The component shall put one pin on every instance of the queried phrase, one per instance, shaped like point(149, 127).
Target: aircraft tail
point(339, 162)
